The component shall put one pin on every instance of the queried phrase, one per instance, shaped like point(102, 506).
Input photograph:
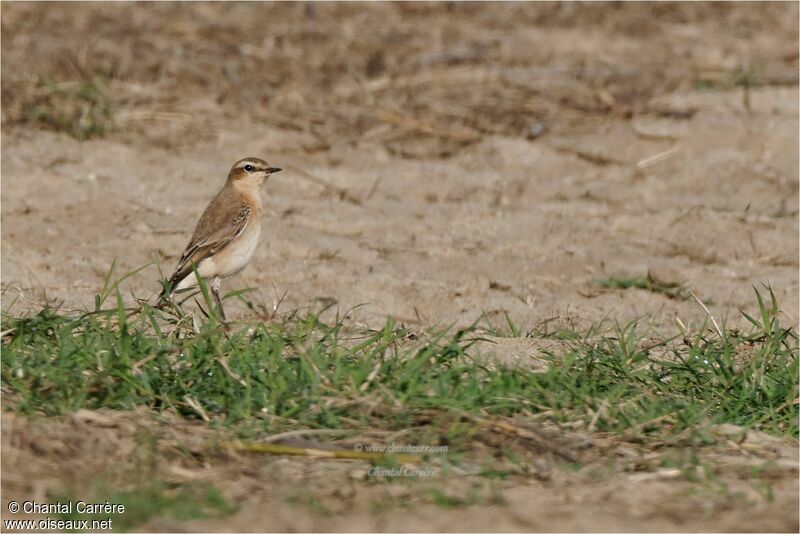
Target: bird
point(227, 234)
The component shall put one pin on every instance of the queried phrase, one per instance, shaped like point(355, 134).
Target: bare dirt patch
point(442, 161)
point(622, 492)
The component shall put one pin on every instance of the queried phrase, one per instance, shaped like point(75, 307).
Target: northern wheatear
point(227, 234)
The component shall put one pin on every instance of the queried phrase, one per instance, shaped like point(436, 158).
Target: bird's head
point(252, 170)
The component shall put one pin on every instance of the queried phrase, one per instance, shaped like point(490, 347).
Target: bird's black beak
point(271, 170)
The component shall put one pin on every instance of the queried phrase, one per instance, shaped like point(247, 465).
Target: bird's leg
point(215, 293)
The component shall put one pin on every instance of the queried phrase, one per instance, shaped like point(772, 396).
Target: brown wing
point(222, 222)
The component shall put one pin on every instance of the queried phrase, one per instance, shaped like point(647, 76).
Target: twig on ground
point(714, 321)
point(135, 367)
point(302, 352)
point(194, 405)
point(228, 370)
point(4, 333)
point(661, 156)
point(371, 376)
point(683, 326)
point(601, 410)
point(273, 448)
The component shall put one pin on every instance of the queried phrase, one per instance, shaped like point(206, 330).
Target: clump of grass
point(304, 372)
point(154, 498)
point(80, 108)
point(646, 283)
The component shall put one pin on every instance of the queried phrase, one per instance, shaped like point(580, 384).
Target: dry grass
point(132, 70)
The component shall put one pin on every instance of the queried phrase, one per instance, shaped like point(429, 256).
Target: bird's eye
point(248, 168)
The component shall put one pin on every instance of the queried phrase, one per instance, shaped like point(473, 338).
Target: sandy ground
point(286, 494)
point(510, 226)
point(478, 158)
point(289, 495)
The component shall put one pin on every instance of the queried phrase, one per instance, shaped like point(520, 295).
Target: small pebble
point(536, 130)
